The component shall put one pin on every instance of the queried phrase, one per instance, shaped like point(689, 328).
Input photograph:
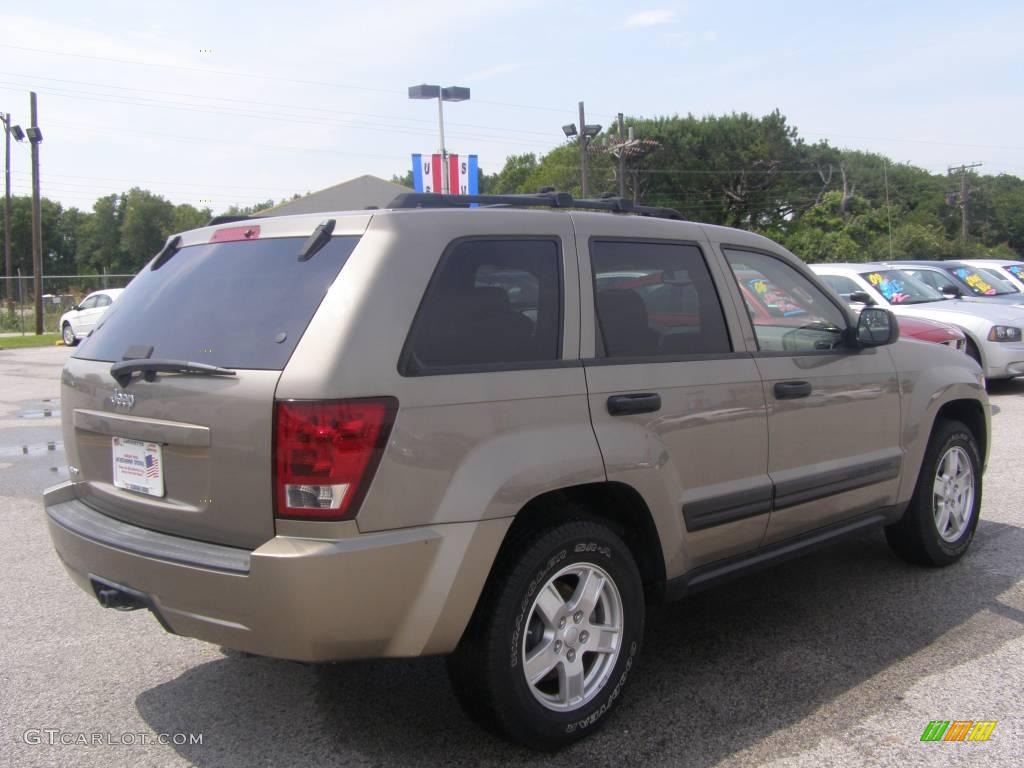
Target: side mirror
point(951, 291)
point(860, 297)
point(75, 307)
point(876, 326)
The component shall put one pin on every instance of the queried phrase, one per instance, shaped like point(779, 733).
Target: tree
point(189, 217)
point(148, 220)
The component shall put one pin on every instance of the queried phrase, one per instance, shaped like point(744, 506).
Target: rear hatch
point(189, 452)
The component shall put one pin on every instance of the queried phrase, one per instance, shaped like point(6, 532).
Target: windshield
point(239, 304)
point(982, 283)
point(1017, 270)
point(898, 287)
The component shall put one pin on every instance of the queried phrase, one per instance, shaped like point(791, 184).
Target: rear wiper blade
point(122, 372)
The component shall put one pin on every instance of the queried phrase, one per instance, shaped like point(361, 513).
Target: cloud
point(651, 18)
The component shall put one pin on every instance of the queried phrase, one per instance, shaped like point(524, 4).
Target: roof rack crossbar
point(538, 200)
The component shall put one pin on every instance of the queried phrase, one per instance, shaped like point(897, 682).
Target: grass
point(29, 340)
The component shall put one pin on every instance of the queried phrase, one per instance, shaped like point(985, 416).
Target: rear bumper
point(408, 592)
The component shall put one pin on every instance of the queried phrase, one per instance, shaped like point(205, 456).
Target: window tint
point(932, 278)
point(655, 299)
point(491, 302)
point(789, 313)
point(89, 303)
point(241, 304)
point(841, 284)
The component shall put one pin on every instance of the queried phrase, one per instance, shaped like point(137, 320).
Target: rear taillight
point(325, 454)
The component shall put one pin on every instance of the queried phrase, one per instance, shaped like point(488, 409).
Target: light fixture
point(35, 136)
point(17, 133)
point(569, 130)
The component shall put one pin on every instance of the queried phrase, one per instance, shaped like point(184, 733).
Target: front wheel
point(69, 335)
point(555, 635)
point(939, 524)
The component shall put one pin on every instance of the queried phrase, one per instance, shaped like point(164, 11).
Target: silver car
point(993, 330)
point(1010, 271)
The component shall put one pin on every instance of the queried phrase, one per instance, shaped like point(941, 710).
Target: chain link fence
point(60, 293)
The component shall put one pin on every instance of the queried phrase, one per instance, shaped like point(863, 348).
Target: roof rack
point(544, 199)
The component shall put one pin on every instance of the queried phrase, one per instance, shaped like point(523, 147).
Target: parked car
point(933, 331)
point(763, 304)
point(78, 322)
point(338, 437)
point(993, 331)
point(1010, 271)
point(962, 281)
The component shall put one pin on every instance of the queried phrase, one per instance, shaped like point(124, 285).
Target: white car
point(1010, 271)
point(78, 322)
point(993, 330)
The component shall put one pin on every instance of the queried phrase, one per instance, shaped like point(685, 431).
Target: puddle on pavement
point(31, 449)
point(43, 409)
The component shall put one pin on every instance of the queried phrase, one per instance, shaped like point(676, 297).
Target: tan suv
point(494, 432)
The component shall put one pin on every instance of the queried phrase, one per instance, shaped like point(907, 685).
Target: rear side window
point(655, 299)
point(492, 303)
point(242, 304)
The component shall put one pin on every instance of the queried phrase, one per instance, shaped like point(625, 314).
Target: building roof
point(353, 195)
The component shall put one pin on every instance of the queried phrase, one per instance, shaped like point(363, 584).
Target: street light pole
point(584, 141)
point(35, 136)
point(452, 93)
point(444, 152)
point(7, 207)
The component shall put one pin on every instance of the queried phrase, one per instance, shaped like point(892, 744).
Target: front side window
point(89, 303)
point(789, 313)
point(655, 299)
point(935, 278)
point(492, 302)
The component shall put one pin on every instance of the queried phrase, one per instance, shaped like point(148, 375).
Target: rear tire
point(939, 524)
point(68, 335)
point(556, 632)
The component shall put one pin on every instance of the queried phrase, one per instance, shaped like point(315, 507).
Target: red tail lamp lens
point(325, 455)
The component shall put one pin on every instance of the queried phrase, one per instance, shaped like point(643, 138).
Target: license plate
point(138, 466)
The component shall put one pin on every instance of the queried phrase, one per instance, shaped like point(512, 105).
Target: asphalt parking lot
point(840, 658)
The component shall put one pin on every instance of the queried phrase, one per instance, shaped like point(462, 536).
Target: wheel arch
point(972, 414)
point(616, 504)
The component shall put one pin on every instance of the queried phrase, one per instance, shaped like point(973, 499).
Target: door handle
point(622, 405)
point(790, 390)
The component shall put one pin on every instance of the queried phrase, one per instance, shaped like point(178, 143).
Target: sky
point(215, 103)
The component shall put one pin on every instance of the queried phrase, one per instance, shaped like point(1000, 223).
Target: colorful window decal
point(1016, 270)
point(774, 299)
point(892, 290)
point(975, 281)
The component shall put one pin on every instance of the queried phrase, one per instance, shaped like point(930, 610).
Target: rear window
point(493, 303)
point(241, 304)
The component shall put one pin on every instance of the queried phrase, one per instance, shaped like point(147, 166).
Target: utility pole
point(35, 137)
point(964, 192)
point(583, 154)
point(622, 156)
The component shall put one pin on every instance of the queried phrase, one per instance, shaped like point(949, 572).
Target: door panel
point(833, 412)
point(679, 413)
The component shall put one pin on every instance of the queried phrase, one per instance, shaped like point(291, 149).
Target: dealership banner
point(462, 174)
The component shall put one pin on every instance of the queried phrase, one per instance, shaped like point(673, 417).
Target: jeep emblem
point(121, 399)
